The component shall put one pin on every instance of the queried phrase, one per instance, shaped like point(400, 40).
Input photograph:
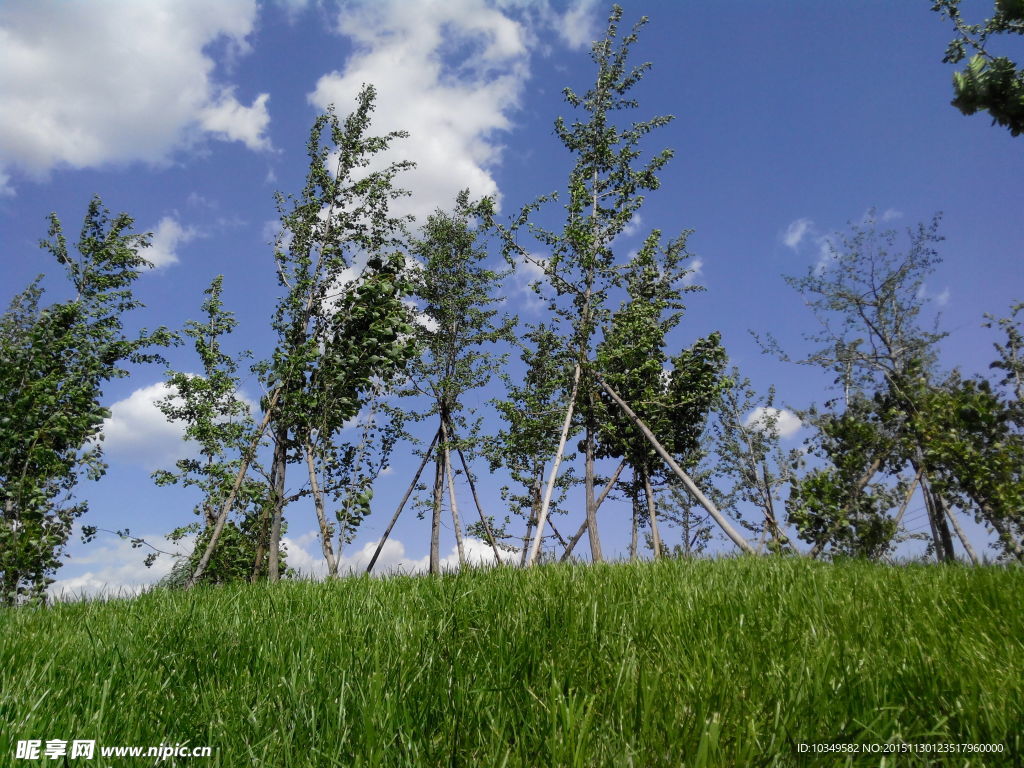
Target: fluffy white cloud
point(891, 214)
point(305, 555)
point(112, 567)
point(139, 433)
point(450, 72)
point(786, 423)
point(695, 271)
point(167, 236)
point(578, 26)
point(795, 232)
point(229, 120)
point(113, 81)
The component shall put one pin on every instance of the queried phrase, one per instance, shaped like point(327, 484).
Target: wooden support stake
point(703, 500)
point(543, 516)
point(401, 506)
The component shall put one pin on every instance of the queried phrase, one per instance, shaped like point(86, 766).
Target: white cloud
point(795, 232)
point(139, 433)
point(941, 299)
point(305, 555)
point(168, 235)
point(114, 568)
point(785, 423)
point(891, 213)
point(578, 26)
point(448, 72)
point(695, 271)
point(826, 254)
point(529, 271)
point(229, 120)
point(83, 85)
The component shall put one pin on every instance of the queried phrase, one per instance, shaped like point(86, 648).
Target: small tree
point(975, 447)
point(219, 421)
point(749, 458)
point(672, 401)
point(836, 507)
point(532, 412)
point(868, 299)
point(54, 363)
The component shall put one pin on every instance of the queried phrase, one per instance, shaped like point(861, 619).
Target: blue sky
point(793, 118)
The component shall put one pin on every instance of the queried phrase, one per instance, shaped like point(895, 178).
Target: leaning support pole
point(476, 499)
point(229, 502)
point(958, 530)
point(543, 516)
point(704, 501)
point(597, 505)
point(401, 506)
point(907, 497)
point(456, 520)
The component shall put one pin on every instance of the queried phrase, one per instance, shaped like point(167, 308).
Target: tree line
point(381, 325)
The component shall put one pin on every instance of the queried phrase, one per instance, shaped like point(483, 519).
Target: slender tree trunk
point(940, 554)
point(456, 522)
point(262, 538)
point(586, 523)
point(527, 541)
point(326, 536)
point(633, 539)
point(652, 511)
point(401, 505)
point(229, 502)
point(278, 469)
point(592, 533)
point(542, 516)
point(703, 500)
point(780, 538)
point(476, 500)
point(554, 530)
point(944, 509)
point(940, 529)
point(435, 520)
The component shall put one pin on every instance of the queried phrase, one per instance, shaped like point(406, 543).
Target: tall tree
point(54, 362)
point(605, 192)
point(341, 325)
point(458, 329)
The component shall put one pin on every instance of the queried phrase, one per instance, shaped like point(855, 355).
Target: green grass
point(729, 662)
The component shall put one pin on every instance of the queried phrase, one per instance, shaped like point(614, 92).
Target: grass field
point(729, 662)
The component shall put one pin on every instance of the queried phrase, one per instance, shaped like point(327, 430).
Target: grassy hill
point(729, 662)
